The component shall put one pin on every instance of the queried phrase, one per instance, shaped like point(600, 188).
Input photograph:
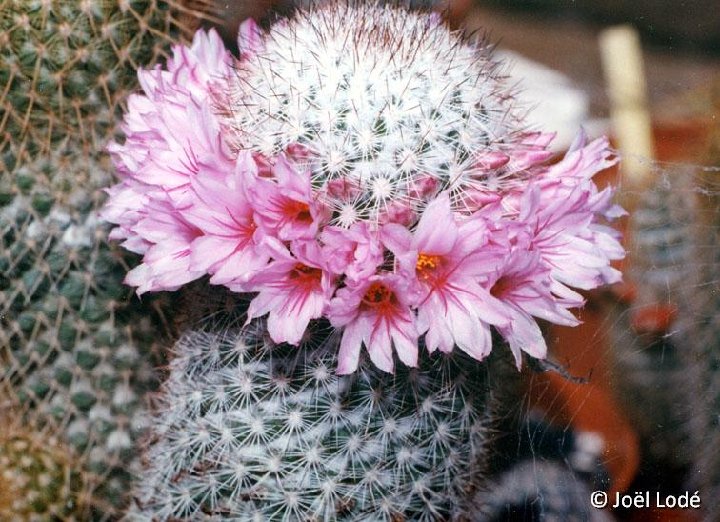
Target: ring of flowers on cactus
point(369, 166)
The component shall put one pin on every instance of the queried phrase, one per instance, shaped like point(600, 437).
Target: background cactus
point(67, 67)
point(699, 332)
point(250, 430)
point(74, 346)
point(666, 350)
point(537, 489)
point(37, 481)
point(40, 477)
point(648, 366)
point(547, 473)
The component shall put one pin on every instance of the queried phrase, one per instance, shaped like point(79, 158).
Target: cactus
point(648, 368)
point(67, 67)
point(547, 474)
point(37, 481)
point(41, 478)
point(251, 430)
point(73, 346)
point(389, 223)
point(537, 490)
point(698, 328)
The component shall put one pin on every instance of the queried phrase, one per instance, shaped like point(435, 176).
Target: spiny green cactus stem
point(699, 333)
point(66, 67)
point(74, 346)
point(40, 477)
point(648, 369)
point(250, 430)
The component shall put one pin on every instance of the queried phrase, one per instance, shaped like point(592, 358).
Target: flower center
point(306, 276)
point(501, 287)
point(426, 265)
point(297, 211)
point(379, 298)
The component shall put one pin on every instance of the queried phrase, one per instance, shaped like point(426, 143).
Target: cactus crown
point(382, 99)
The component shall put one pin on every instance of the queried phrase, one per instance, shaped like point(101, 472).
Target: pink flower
point(199, 66)
point(171, 132)
point(442, 261)
point(293, 289)
point(284, 205)
point(530, 151)
point(577, 250)
point(562, 206)
point(166, 263)
point(374, 312)
point(126, 205)
point(171, 136)
point(228, 247)
point(582, 161)
point(249, 38)
point(397, 212)
point(523, 286)
point(355, 251)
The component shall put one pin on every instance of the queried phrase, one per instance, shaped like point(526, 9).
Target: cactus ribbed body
point(249, 430)
point(699, 327)
point(37, 480)
point(648, 363)
point(71, 346)
point(668, 380)
point(67, 67)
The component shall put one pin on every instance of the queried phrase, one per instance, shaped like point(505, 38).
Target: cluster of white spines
point(246, 432)
point(384, 100)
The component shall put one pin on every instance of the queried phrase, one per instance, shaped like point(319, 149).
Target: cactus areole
point(364, 165)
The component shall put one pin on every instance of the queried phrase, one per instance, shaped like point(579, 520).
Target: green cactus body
point(699, 332)
point(667, 380)
point(66, 67)
point(648, 368)
point(40, 477)
point(72, 346)
point(248, 430)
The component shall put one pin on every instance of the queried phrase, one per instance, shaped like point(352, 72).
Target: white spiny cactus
point(390, 103)
point(249, 430)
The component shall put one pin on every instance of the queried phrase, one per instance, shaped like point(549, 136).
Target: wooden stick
point(625, 77)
